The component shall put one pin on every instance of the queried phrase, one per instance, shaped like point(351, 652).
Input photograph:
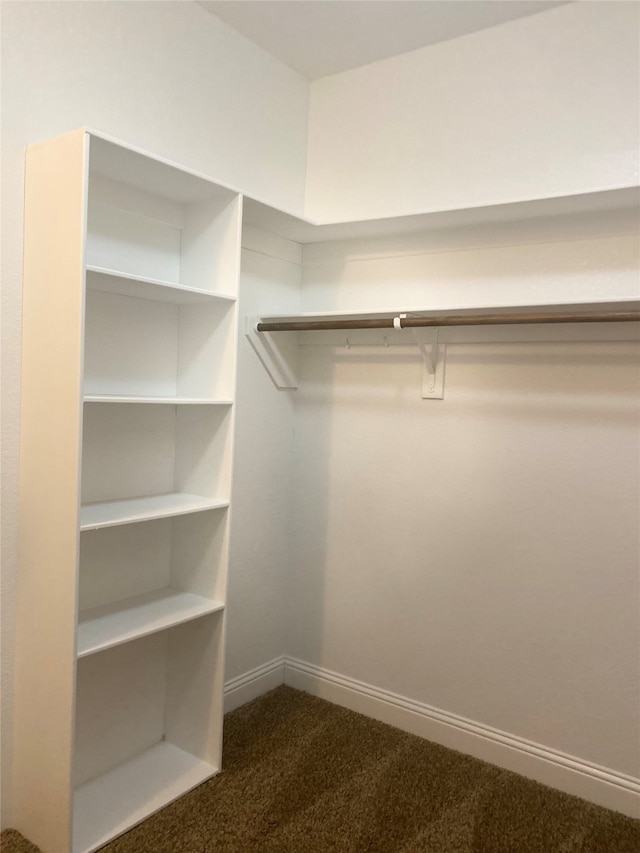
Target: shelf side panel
point(202, 458)
point(210, 241)
point(194, 706)
point(51, 424)
point(206, 351)
point(199, 553)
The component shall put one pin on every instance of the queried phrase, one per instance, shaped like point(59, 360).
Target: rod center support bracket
point(433, 356)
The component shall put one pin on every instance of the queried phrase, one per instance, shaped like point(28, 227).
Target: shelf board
point(597, 201)
point(123, 797)
point(115, 281)
point(101, 628)
point(456, 310)
point(169, 401)
point(130, 510)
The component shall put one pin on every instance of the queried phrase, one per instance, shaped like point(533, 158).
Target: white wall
point(545, 105)
point(261, 499)
point(171, 79)
point(477, 554)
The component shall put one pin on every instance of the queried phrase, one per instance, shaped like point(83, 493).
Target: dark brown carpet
point(304, 776)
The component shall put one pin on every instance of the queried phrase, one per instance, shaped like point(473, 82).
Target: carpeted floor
point(304, 776)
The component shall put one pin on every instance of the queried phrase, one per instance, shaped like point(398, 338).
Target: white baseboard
point(238, 691)
point(566, 773)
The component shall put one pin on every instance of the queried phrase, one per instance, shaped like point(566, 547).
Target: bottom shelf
point(118, 800)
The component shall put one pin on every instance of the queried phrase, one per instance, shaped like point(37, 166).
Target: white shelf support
point(433, 356)
point(279, 358)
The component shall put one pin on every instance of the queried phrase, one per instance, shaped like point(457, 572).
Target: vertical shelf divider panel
point(130, 294)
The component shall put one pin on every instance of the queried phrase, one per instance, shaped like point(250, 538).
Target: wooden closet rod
point(452, 320)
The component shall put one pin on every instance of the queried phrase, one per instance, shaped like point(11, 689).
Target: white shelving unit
point(131, 277)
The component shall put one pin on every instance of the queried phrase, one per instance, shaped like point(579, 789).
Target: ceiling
point(321, 37)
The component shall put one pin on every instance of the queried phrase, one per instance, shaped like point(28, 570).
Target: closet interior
point(131, 282)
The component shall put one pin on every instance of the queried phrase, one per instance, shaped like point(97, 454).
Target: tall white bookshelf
point(129, 348)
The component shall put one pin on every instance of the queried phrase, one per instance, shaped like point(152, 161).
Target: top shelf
point(594, 203)
point(113, 281)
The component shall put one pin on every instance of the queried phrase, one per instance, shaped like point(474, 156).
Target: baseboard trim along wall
point(567, 773)
point(238, 691)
